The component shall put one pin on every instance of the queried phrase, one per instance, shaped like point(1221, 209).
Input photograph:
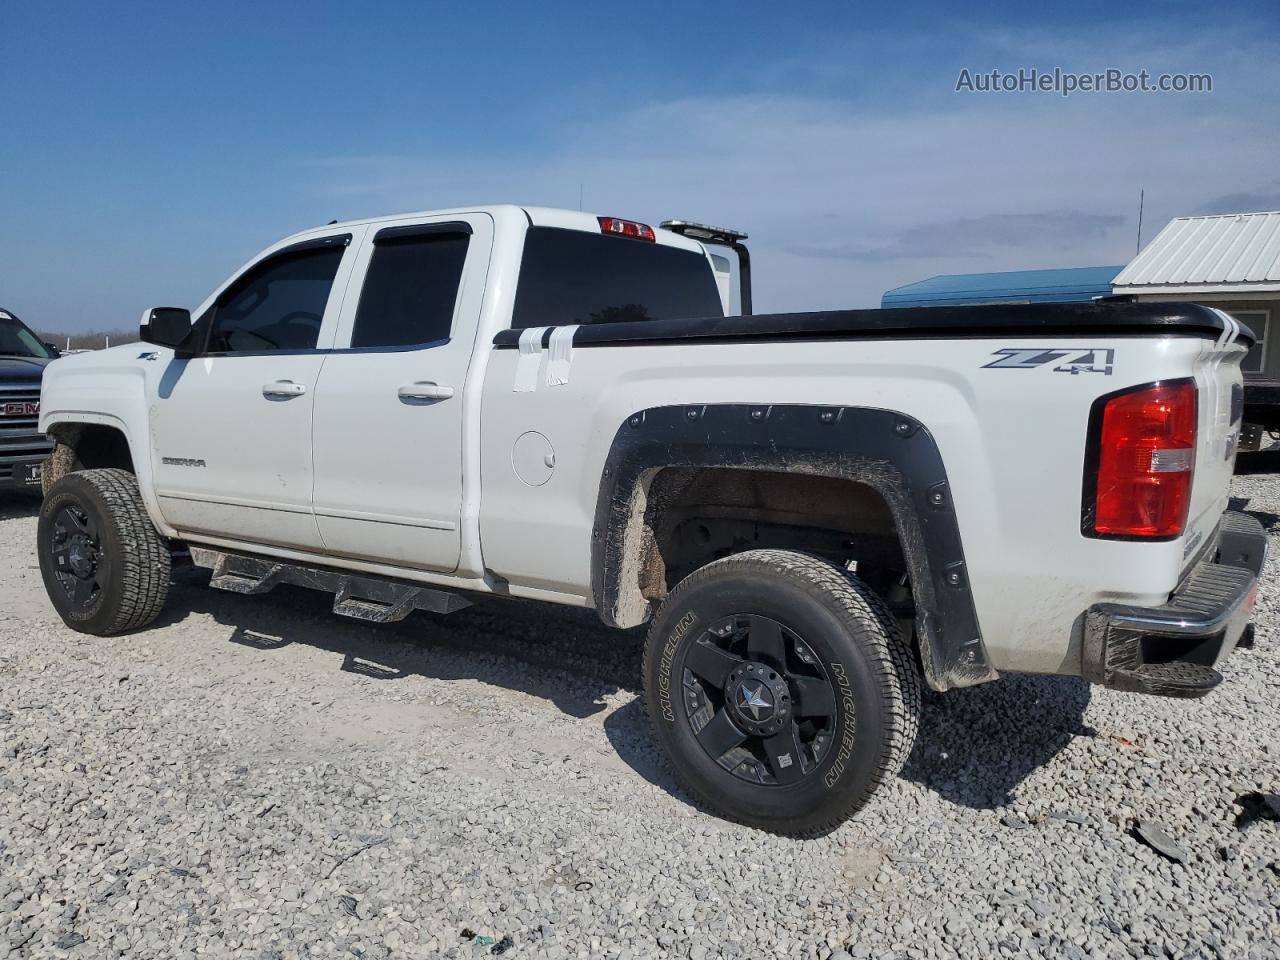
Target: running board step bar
point(375, 599)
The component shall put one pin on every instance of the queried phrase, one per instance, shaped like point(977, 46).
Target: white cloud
point(847, 198)
point(850, 160)
point(935, 196)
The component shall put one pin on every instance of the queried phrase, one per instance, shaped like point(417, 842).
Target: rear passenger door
point(390, 404)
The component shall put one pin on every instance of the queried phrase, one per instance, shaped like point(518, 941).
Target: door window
point(410, 288)
point(278, 304)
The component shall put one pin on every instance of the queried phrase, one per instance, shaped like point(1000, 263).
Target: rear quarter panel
point(1012, 439)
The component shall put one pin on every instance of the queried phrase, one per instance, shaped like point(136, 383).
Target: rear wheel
point(781, 689)
point(105, 567)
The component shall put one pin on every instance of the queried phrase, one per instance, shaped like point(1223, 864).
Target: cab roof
point(535, 216)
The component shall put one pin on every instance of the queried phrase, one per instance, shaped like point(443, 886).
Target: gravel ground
point(254, 777)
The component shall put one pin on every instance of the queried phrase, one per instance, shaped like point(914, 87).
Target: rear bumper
point(1174, 650)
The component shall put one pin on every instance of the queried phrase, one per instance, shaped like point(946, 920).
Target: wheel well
point(91, 446)
point(686, 517)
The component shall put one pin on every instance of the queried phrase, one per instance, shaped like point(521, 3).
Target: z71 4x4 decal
point(1073, 361)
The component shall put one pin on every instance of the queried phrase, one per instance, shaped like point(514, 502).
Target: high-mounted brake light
point(1141, 457)
point(626, 228)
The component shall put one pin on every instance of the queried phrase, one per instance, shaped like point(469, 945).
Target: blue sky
point(148, 151)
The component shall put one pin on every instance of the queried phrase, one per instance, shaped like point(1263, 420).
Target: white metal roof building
point(1232, 262)
point(1237, 253)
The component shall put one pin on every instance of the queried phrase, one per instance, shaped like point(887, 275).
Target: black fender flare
point(890, 452)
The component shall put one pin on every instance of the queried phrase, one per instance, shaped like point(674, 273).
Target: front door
point(231, 444)
point(390, 403)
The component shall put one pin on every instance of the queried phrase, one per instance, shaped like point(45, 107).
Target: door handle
point(425, 390)
point(283, 390)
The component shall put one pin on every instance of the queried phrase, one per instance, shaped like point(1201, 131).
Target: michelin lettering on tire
point(664, 666)
point(847, 734)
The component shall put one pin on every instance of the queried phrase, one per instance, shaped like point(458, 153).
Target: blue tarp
point(1016, 286)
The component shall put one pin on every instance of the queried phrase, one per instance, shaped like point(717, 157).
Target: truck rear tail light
point(1140, 461)
point(626, 228)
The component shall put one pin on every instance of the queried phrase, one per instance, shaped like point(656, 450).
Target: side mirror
point(52, 349)
point(165, 326)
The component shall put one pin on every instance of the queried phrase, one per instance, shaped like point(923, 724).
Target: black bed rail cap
point(1096, 318)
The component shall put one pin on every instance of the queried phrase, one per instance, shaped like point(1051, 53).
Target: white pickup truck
point(814, 511)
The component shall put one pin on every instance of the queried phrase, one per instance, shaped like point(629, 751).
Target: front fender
point(105, 388)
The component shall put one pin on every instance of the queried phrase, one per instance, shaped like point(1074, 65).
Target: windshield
point(17, 341)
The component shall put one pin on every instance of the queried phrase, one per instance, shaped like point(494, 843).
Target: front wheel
point(105, 567)
point(781, 689)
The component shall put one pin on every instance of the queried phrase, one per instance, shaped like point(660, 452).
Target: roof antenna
point(331, 223)
point(579, 194)
point(1142, 196)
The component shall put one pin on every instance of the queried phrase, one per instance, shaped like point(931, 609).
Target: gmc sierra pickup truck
point(23, 447)
point(815, 512)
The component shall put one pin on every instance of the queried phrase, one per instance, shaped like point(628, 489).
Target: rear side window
point(277, 305)
point(410, 289)
point(570, 276)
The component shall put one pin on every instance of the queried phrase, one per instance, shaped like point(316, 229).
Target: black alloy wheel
point(759, 700)
point(76, 550)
